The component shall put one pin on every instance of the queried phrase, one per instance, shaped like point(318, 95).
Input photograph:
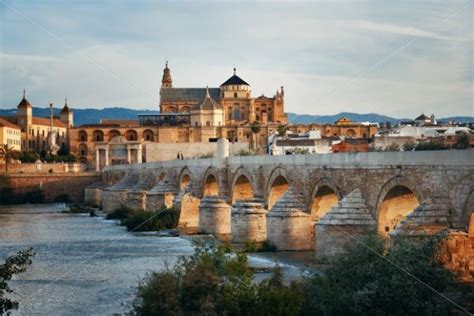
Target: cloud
point(330, 56)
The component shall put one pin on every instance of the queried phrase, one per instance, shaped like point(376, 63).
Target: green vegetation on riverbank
point(13, 265)
point(140, 220)
point(371, 278)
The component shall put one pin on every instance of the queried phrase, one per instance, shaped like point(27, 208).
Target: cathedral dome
point(234, 81)
point(24, 103)
point(66, 108)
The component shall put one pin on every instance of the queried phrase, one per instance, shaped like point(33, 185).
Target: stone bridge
point(302, 201)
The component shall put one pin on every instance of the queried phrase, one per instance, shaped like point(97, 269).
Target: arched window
point(98, 136)
point(82, 136)
point(235, 94)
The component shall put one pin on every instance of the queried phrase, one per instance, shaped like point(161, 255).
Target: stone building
point(36, 131)
point(10, 134)
point(187, 116)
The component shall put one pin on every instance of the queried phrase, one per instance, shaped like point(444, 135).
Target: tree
point(393, 147)
point(255, 128)
point(376, 278)
point(13, 265)
point(409, 146)
point(388, 125)
point(462, 141)
point(7, 152)
point(282, 129)
point(231, 135)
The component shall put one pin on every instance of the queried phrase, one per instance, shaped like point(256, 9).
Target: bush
point(374, 279)
point(252, 246)
point(409, 146)
point(13, 265)
point(431, 145)
point(462, 142)
point(34, 197)
point(393, 147)
point(121, 213)
point(152, 221)
point(215, 281)
point(62, 198)
point(243, 152)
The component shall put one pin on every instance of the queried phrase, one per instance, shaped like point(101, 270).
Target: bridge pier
point(160, 196)
point(345, 223)
point(93, 194)
point(288, 227)
point(249, 221)
point(116, 195)
point(188, 206)
point(215, 217)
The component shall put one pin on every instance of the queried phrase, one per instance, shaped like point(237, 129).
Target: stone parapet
point(249, 221)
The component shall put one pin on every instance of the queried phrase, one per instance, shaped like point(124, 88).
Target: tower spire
point(235, 71)
point(166, 81)
point(24, 93)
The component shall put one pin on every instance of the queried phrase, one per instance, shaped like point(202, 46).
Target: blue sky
point(397, 58)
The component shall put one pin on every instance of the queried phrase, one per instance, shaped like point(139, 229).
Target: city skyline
point(397, 60)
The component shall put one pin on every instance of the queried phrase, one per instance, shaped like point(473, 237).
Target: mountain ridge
point(93, 116)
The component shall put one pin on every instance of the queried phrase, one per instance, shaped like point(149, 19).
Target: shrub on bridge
point(140, 220)
point(120, 213)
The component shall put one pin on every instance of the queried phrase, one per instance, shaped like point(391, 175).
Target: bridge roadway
point(302, 201)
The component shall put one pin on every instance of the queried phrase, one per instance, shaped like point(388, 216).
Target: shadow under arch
point(210, 183)
point(276, 186)
point(324, 196)
point(242, 185)
point(397, 198)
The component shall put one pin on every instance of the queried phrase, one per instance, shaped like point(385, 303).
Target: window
point(235, 94)
point(208, 123)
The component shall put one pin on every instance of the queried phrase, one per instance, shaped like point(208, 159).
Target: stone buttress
point(136, 197)
point(344, 223)
point(116, 195)
point(93, 194)
point(288, 226)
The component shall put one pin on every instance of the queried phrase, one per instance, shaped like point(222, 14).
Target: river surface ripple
point(83, 265)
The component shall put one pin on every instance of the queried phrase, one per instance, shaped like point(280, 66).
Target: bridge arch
point(242, 185)
point(184, 179)
point(397, 198)
point(210, 183)
point(277, 185)
point(323, 197)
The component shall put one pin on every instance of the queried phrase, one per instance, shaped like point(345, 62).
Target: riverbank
point(89, 265)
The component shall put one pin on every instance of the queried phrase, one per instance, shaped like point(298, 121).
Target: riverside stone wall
point(52, 185)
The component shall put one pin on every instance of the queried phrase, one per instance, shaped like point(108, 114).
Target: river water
point(88, 265)
point(83, 265)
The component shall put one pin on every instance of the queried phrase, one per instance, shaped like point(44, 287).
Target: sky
point(398, 58)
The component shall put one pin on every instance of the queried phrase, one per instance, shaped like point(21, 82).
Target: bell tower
point(166, 81)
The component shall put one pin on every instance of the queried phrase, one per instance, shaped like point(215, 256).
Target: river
point(87, 265)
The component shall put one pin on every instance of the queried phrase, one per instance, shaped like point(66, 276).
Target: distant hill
point(322, 119)
point(92, 116)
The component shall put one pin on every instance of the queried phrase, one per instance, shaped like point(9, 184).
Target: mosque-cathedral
point(191, 116)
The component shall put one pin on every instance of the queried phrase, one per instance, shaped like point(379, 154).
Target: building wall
point(10, 136)
point(164, 151)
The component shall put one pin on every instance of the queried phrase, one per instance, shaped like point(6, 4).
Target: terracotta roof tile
point(6, 123)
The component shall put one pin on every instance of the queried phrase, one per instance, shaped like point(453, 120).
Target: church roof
point(5, 123)
point(66, 108)
point(188, 94)
point(208, 103)
point(47, 122)
point(234, 80)
point(422, 117)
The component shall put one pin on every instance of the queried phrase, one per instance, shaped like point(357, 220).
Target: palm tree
point(7, 152)
point(282, 129)
point(231, 134)
point(255, 127)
